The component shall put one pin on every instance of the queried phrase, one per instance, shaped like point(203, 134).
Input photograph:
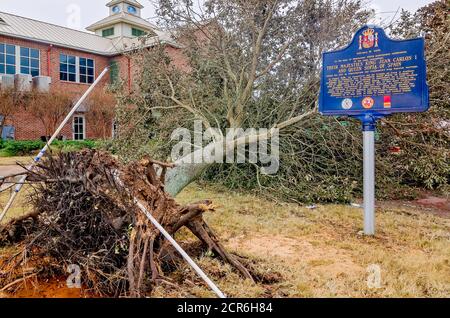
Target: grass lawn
point(321, 253)
point(315, 252)
point(8, 161)
point(20, 206)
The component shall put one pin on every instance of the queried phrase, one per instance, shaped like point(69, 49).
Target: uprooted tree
point(85, 213)
point(249, 64)
point(254, 64)
point(257, 64)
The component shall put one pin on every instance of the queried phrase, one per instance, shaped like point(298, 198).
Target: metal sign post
point(369, 179)
point(373, 77)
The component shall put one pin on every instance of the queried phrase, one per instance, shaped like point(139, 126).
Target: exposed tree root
point(84, 216)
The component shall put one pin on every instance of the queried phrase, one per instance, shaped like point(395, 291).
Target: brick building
point(69, 60)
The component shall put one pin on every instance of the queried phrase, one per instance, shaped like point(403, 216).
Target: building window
point(79, 128)
point(9, 133)
point(137, 32)
point(114, 72)
point(116, 9)
point(86, 70)
point(108, 32)
point(29, 61)
point(7, 59)
point(68, 68)
point(76, 69)
point(132, 10)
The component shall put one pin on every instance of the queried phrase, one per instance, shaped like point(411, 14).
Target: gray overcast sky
point(65, 12)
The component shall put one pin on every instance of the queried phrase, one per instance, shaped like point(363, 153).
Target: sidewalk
point(10, 169)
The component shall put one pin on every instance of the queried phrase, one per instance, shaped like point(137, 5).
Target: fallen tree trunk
point(83, 216)
point(186, 171)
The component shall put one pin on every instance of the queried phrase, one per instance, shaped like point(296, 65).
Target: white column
point(17, 59)
point(77, 70)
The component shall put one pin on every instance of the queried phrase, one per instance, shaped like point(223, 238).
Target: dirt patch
point(440, 204)
point(262, 246)
point(316, 258)
point(428, 204)
point(55, 288)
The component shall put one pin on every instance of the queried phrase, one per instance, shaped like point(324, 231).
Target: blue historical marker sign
point(374, 76)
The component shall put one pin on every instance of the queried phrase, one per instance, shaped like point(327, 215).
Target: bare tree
point(49, 108)
point(9, 102)
point(100, 111)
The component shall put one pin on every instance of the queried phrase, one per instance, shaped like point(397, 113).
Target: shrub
point(20, 148)
point(72, 145)
point(30, 147)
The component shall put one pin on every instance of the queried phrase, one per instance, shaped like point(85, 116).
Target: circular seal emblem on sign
point(368, 102)
point(347, 103)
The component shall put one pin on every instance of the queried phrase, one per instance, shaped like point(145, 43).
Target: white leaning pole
point(369, 182)
point(177, 246)
point(139, 204)
point(180, 250)
point(55, 135)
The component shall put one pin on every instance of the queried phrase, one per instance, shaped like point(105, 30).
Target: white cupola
point(124, 20)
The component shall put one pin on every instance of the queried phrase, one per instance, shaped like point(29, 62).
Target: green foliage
point(30, 147)
point(432, 171)
point(20, 148)
point(425, 138)
point(71, 145)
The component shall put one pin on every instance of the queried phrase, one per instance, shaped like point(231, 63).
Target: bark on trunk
point(186, 171)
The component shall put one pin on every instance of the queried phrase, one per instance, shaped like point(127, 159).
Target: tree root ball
point(84, 213)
